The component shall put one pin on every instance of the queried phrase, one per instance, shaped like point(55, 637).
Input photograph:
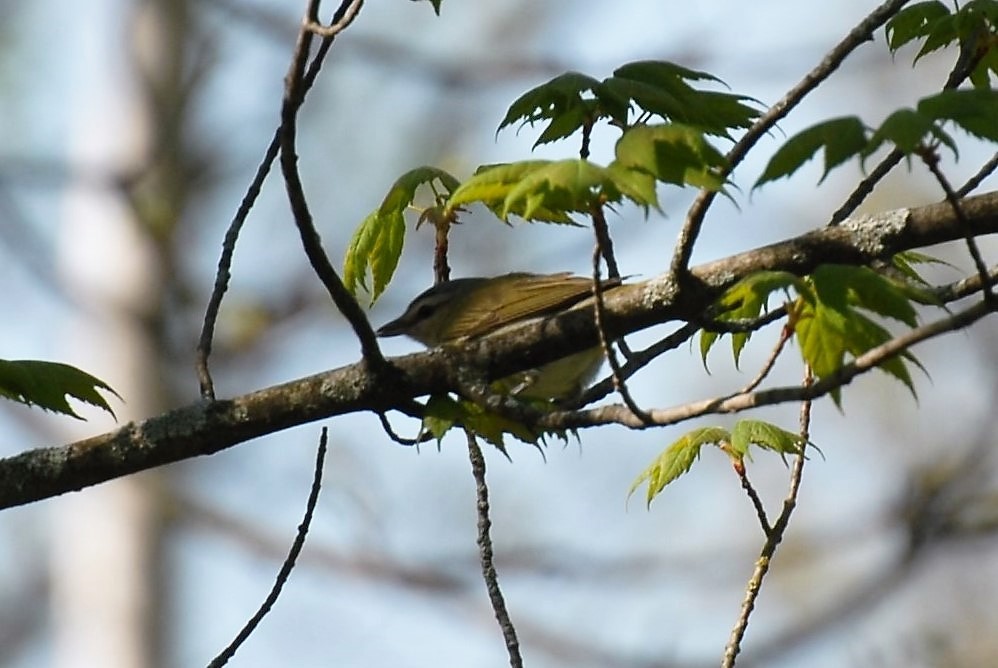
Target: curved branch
point(294, 90)
point(222, 273)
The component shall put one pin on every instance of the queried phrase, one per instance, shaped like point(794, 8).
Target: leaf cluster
point(829, 314)
point(443, 413)
point(636, 92)
point(973, 27)
point(677, 459)
point(677, 151)
point(909, 130)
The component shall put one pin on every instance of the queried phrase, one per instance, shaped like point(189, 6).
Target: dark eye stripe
point(425, 310)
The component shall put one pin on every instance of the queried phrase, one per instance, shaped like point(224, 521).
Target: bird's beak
point(394, 328)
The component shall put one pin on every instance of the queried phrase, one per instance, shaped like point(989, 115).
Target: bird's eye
point(425, 310)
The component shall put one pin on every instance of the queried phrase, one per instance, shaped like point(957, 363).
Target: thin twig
point(386, 426)
point(698, 210)
point(311, 242)
point(931, 161)
point(965, 287)
point(984, 172)
point(773, 537)
point(441, 267)
point(618, 414)
point(760, 510)
point(223, 273)
point(605, 243)
point(785, 334)
point(611, 356)
point(866, 186)
point(286, 567)
point(742, 325)
point(337, 25)
point(486, 555)
point(636, 362)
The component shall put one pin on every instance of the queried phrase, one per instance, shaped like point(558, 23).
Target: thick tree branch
point(207, 427)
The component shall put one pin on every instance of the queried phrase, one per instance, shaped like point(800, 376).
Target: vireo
point(466, 308)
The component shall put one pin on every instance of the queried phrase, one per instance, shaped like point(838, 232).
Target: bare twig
point(441, 267)
point(773, 537)
point(386, 426)
point(965, 287)
point(311, 242)
point(785, 334)
point(603, 240)
point(760, 510)
point(619, 383)
point(866, 186)
point(223, 273)
point(984, 172)
point(618, 414)
point(698, 210)
point(348, 12)
point(931, 161)
point(286, 567)
point(485, 553)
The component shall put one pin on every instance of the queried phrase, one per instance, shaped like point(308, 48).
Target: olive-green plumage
point(466, 308)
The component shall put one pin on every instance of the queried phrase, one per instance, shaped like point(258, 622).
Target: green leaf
point(547, 191)
point(565, 185)
point(841, 138)
point(941, 33)
point(492, 184)
point(633, 184)
point(766, 436)
point(905, 261)
point(862, 334)
point(820, 332)
point(661, 88)
point(567, 102)
point(914, 21)
point(442, 413)
point(377, 243)
point(974, 110)
point(47, 384)
point(828, 324)
point(672, 153)
point(745, 300)
point(677, 460)
point(865, 288)
point(573, 101)
point(905, 128)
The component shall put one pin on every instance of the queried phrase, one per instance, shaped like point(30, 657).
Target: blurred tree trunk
point(117, 263)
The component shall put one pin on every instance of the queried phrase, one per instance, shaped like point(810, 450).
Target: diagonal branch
point(859, 35)
point(203, 427)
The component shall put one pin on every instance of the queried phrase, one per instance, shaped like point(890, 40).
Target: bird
point(466, 308)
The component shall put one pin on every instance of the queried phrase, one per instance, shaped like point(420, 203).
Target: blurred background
point(130, 130)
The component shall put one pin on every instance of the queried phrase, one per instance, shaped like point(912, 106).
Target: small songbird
point(466, 308)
